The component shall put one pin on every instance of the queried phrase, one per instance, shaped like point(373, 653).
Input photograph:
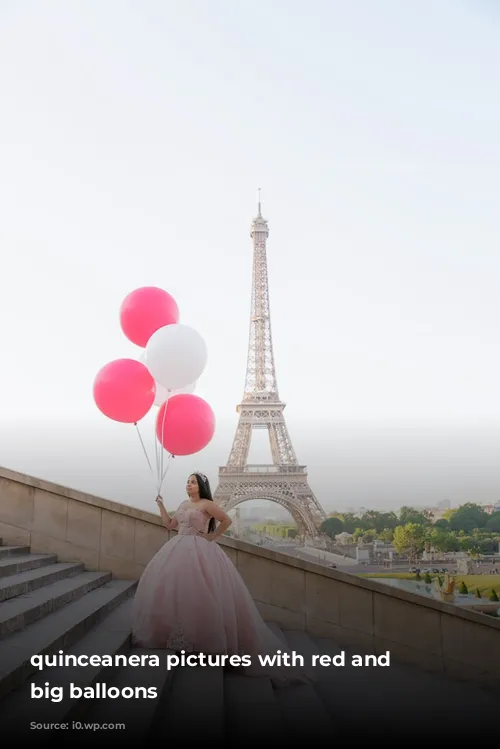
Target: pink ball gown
point(191, 597)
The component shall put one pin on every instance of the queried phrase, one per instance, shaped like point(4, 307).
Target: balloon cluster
point(174, 357)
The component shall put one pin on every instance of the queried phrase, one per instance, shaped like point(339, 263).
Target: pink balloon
point(124, 390)
point(146, 310)
point(185, 424)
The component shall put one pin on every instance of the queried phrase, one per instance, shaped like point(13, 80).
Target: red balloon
point(146, 310)
point(185, 424)
point(124, 390)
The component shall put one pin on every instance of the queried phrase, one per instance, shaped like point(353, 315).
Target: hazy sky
point(133, 136)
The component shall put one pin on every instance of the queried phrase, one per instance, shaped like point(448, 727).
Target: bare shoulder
point(206, 504)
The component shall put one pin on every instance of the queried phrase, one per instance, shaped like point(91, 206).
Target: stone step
point(10, 551)
point(25, 582)
point(304, 645)
point(303, 712)
point(139, 716)
point(108, 637)
point(301, 706)
point(60, 630)
point(22, 611)
point(11, 565)
point(399, 691)
point(194, 711)
point(276, 629)
point(338, 685)
point(251, 709)
point(295, 720)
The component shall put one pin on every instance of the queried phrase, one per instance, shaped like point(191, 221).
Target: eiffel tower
point(284, 481)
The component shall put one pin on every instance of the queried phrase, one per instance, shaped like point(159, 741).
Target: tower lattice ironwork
point(284, 481)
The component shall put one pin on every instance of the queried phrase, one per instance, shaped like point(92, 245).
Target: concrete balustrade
point(357, 613)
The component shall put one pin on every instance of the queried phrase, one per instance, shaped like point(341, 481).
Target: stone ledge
point(359, 582)
point(236, 546)
point(78, 496)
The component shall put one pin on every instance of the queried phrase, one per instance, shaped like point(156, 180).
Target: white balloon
point(176, 356)
point(162, 395)
point(187, 390)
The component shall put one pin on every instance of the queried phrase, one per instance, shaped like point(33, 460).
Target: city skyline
point(132, 146)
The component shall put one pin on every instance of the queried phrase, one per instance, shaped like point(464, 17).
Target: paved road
point(344, 565)
point(349, 566)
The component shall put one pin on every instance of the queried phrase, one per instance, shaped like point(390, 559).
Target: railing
point(262, 469)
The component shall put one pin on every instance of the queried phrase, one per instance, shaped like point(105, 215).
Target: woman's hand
point(159, 501)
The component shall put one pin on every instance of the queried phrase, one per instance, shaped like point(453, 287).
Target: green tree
point(452, 543)
point(465, 542)
point(463, 588)
point(332, 527)
point(389, 520)
point(442, 541)
point(351, 522)
point(411, 515)
point(493, 595)
point(442, 524)
point(447, 514)
point(379, 520)
point(493, 522)
point(474, 547)
point(487, 546)
point(409, 539)
point(358, 533)
point(386, 535)
point(428, 515)
point(370, 519)
point(467, 517)
point(437, 539)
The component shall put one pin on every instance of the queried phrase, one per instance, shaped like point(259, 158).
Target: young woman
point(191, 597)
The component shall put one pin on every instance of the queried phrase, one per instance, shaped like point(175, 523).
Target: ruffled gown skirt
point(191, 597)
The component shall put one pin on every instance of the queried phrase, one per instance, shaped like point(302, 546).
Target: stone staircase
point(47, 606)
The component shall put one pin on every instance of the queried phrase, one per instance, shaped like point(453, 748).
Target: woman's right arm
point(169, 523)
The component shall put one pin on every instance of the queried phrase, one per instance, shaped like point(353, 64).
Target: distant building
point(236, 525)
point(343, 538)
point(445, 504)
point(490, 509)
point(275, 530)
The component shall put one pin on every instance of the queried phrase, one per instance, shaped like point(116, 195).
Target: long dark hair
point(205, 493)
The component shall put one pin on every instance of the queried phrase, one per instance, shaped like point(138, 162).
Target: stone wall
point(360, 613)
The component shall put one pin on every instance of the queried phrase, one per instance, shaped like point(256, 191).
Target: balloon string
point(144, 448)
point(170, 458)
point(161, 475)
point(158, 448)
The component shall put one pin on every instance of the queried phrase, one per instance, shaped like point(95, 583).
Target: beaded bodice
point(192, 521)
